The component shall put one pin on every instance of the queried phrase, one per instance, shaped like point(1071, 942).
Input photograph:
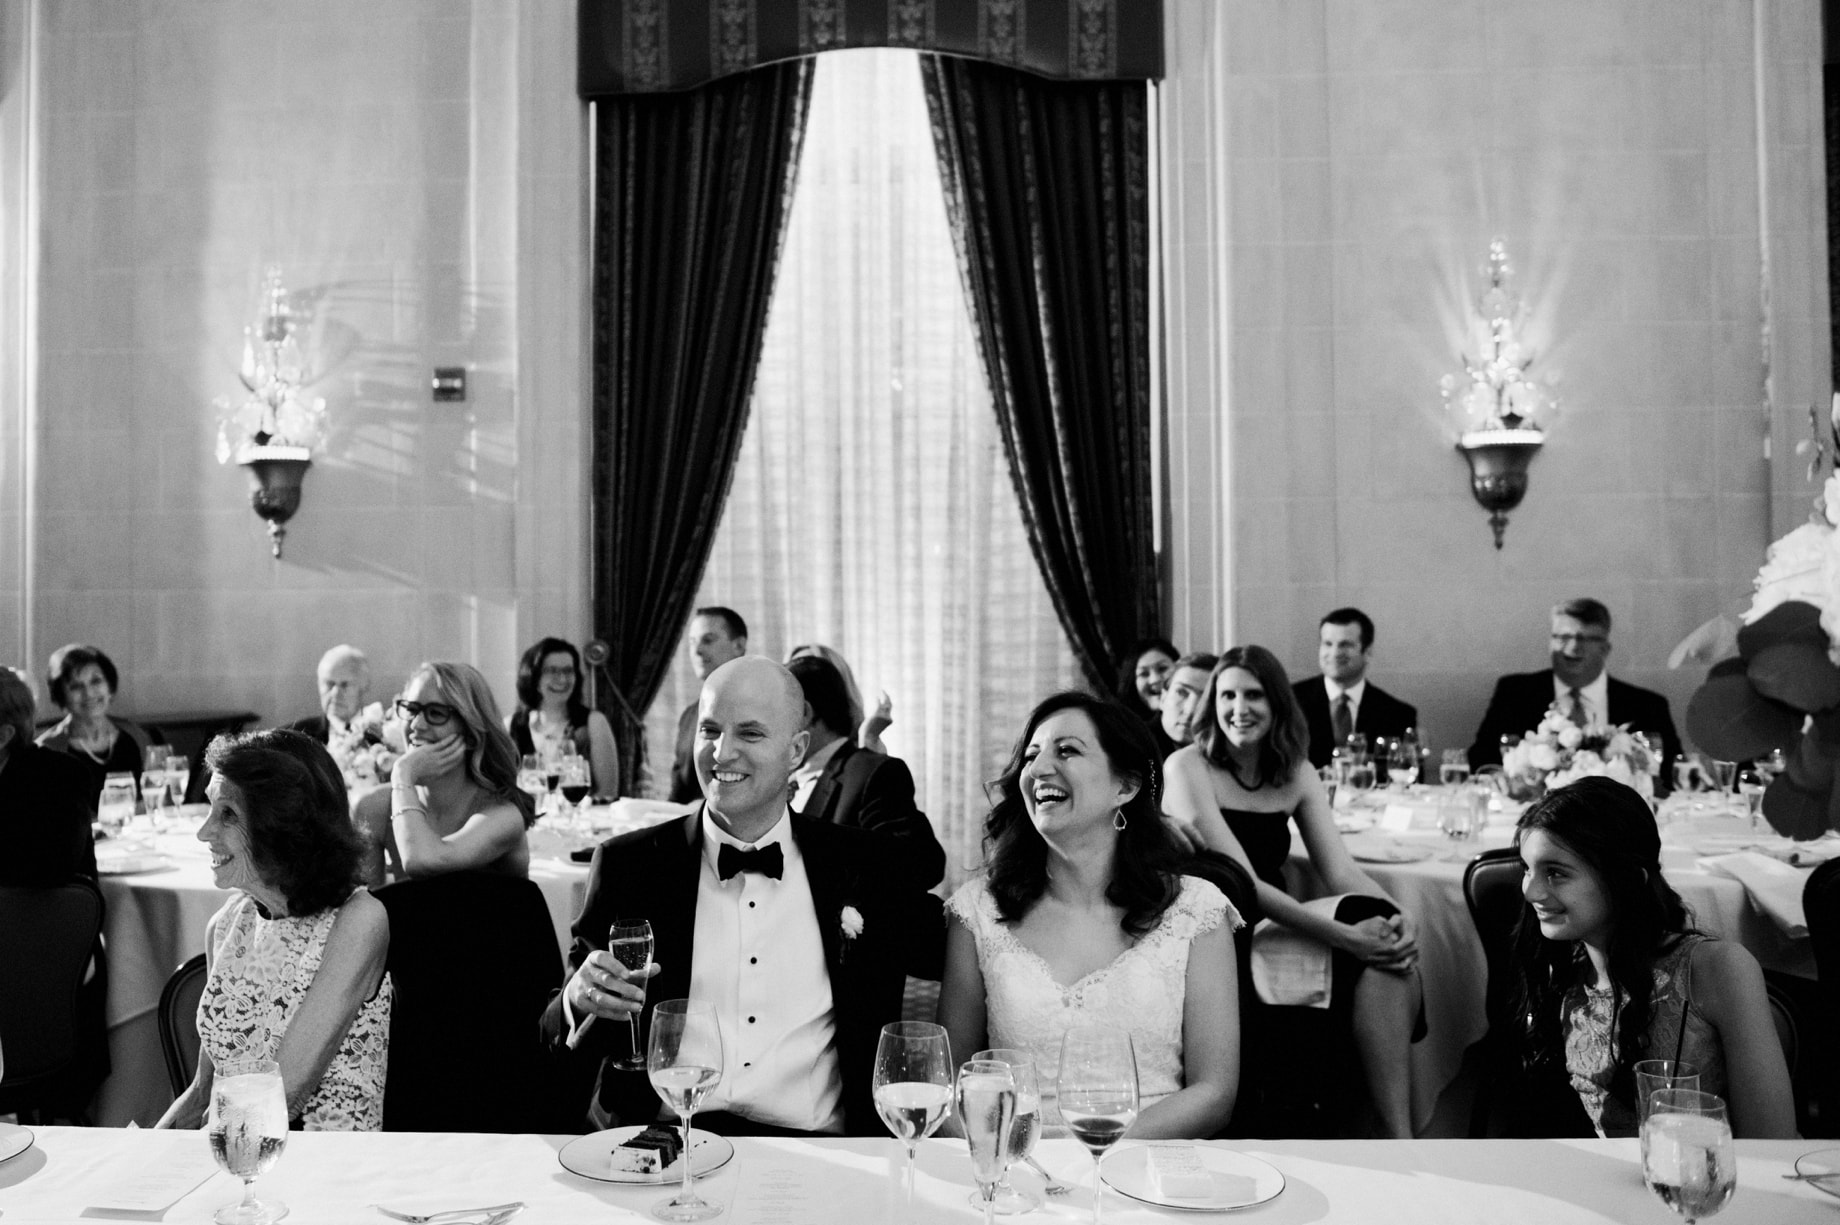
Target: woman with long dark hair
point(1236, 791)
point(1082, 916)
point(551, 713)
point(1610, 970)
point(1142, 672)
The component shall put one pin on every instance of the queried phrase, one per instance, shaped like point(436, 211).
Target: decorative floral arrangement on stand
point(1781, 688)
point(1560, 752)
point(368, 747)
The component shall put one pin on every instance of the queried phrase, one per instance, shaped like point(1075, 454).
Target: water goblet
point(1402, 764)
point(1007, 1199)
point(1454, 770)
point(985, 1095)
point(684, 1060)
point(115, 807)
point(248, 1127)
point(912, 1085)
point(1656, 1074)
point(630, 942)
point(1687, 1155)
point(153, 757)
point(1356, 746)
point(1098, 1092)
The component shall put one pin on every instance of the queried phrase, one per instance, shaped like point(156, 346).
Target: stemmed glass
point(575, 783)
point(115, 807)
point(153, 794)
point(1687, 1155)
point(531, 780)
point(630, 942)
point(1454, 771)
point(1360, 774)
point(248, 1127)
point(178, 777)
point(985, 1095)
point(684, 1060)
point(913, 1085)
point(1725, 773)
point(1653, 1075)
point(1007, 1200)
point(1098, 1091)
point(1402, 764)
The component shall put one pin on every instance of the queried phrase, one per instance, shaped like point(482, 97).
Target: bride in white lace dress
point(1080, 918)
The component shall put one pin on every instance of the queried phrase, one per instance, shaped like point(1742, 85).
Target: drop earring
point(1118, 821)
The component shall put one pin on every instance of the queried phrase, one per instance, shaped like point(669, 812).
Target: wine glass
point(153, 794)
point(1653, 1075)
point(684, 1059)
point(1687, 1156)
point(630, 942)
point(985, 1095)
point(248, 1127)
point(531, 780)
point(1402, 764)
point(178, 777)
point(1725, 774)
point(1098, 1091)
point(1751, 785)
point(575, 783)
point(1454, 771)
point(115, 808)
point(1331, 777)
point(913, 1085)
point(1007, 1200)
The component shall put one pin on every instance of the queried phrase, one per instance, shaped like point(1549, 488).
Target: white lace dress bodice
point(1141, 990)
point(260, 971)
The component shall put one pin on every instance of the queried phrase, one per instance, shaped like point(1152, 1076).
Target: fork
point(1052, 1187)
point(495, 1213)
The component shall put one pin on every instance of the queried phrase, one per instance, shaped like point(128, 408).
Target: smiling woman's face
point(1067, 781)
point(1242, 707)
point(1151, 674)
point(226, 832)
point(87, 693)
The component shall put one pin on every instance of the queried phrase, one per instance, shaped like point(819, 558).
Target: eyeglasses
point(1570, 640)
point(434, 714)
point(566, 672)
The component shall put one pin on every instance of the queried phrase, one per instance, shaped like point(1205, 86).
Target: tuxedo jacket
point(654, 874)
point(685, 789)
point(317, 726)
point(1521, 701)
point(1380, 714)
point(874, 791)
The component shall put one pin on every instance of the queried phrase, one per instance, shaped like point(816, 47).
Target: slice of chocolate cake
point(649, 1152)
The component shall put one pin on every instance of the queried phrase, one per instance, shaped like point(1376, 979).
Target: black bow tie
point(768, 860)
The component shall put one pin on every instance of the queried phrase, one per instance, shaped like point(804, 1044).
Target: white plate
point(589, 1156)
point(14, 1140)
point(1127, 1171)
point(1389, 852)
point(128, 865)
point(1354, 823)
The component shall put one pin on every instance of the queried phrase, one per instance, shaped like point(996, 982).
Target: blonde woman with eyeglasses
point(453, 804)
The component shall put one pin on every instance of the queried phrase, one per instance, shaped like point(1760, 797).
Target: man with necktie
point(800, 933)
point(1578, 686)
point(1342, 701)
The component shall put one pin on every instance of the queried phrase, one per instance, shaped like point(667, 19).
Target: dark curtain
point(691, 195)
point(1047, 191)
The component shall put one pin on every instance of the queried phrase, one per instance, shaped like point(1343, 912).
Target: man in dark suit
point(45, 799)
point(716, 635)
point(344, 677)
point(1341, 700)
point(842, 784)
point(800, 933)
point(1579, 687)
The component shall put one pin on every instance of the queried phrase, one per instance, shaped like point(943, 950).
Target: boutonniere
point(850, 923)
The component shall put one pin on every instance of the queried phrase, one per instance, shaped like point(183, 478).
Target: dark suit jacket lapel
point(824, 790)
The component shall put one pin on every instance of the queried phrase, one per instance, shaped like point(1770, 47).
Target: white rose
point(1543, 757)
point(1800, 566)
point(1514, 761)
point(1553, 724)
point(1569, 736)
point(851, 920)
point(1829, 598)
point(1830, 499)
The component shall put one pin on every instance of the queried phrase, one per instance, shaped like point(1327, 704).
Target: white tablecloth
point(156, 920)
point(334, 1178)
point(1455, 970)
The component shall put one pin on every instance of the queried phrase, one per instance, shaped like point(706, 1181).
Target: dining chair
point(178, 1017)
point(1821, 902)
point(474, 959)
point(47, 937)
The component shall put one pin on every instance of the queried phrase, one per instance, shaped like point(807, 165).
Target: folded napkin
point(1774, 887)
point(1290, 968)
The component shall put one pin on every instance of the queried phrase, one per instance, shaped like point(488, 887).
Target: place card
point(1397, 818)
point(165, 1174)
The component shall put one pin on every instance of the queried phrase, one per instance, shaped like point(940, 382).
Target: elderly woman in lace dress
point(1081, 918)
point(296, 956)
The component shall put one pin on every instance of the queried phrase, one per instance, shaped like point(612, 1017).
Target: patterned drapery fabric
point(651, 46)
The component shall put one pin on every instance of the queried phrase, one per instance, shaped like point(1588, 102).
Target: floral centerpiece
point(368, 747)
point(1781, 691)
point(1559, 752)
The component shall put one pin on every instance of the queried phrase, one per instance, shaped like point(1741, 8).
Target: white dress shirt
point(1596, 698)
point(1355, 692)
point(811, 770)
point(759, 958)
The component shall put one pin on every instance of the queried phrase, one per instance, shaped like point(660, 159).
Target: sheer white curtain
point(872, 509)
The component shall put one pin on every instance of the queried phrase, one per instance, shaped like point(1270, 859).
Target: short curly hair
point(301, 839)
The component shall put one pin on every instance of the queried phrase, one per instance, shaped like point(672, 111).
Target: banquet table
point(1451, 959)
point(156, 920)
point(324, 1177)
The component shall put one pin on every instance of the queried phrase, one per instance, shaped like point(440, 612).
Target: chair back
point(46, 938)
point(178, 1018)
point(1492, 891)
point(473, 957)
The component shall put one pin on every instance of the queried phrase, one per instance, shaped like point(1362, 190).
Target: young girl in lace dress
point(1611, 971)
point(1081, 918)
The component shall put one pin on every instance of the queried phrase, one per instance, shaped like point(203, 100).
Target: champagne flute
point(153, 794)
point(913, 1085)
point(1007, 1200)
point(178, 777)
point(630, 942)
point(684, 1060)
point(1687, 1157)
point(985, 1095)
point(248, 1127)
point(1098, 1092)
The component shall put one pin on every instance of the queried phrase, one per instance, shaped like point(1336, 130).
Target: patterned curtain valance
point(650, 46)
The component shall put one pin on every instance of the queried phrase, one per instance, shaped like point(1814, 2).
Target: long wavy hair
point(491, 757)
point(1610, 828)
point(1145, 868)
point(1284, 747)
point(301, 839)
